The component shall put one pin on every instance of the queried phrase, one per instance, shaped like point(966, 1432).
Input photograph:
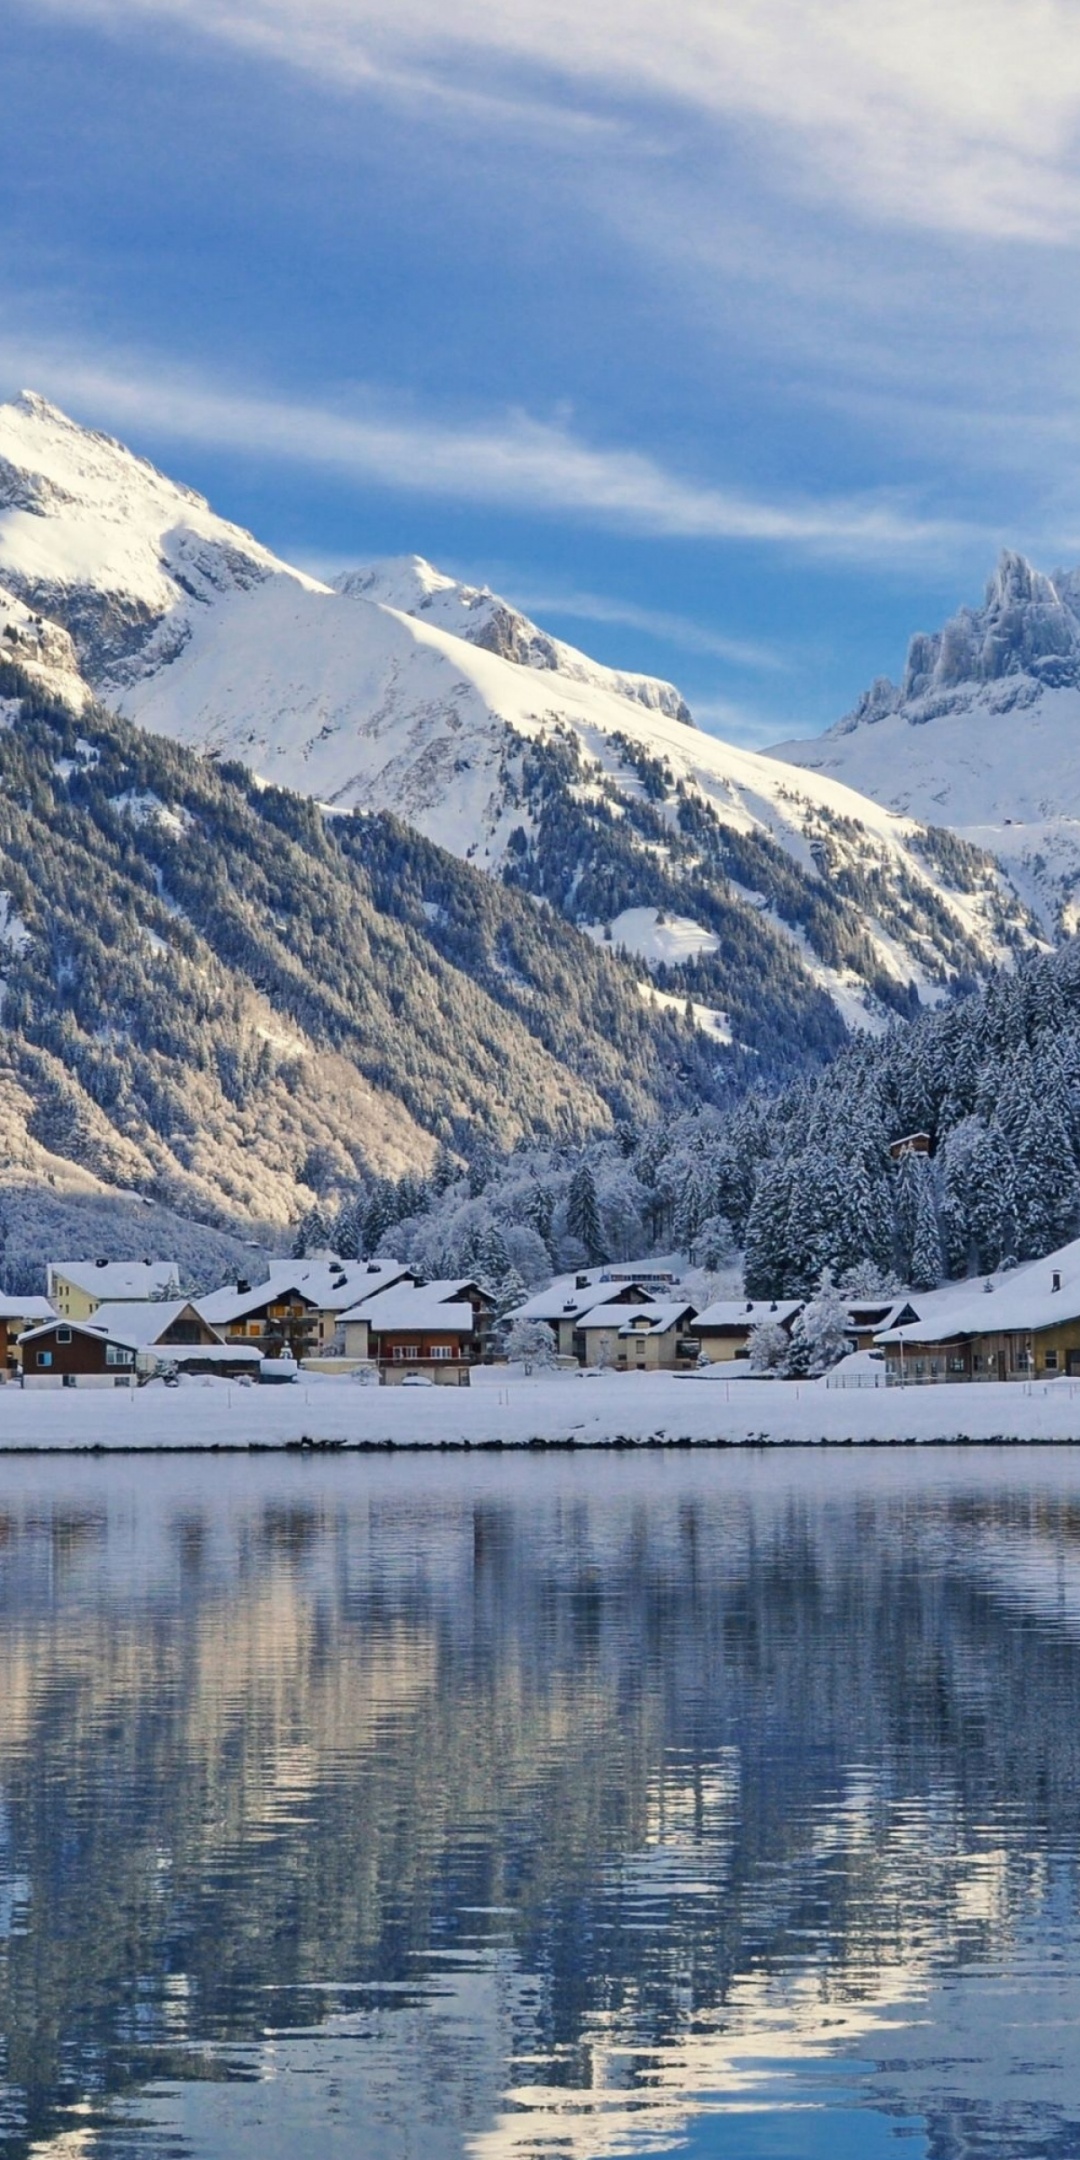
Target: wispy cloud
point(961, 117)
point(672, 629)
point(513, 461)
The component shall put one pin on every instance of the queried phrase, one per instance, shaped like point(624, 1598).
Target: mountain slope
point(807, 907)
point(414, 587)
point(982, 734)
point(214, 995)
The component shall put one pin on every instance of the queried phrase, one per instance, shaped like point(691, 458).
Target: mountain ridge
point(586, 787)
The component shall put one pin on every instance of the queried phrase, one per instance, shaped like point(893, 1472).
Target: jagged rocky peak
point(414, 587)
point(1028, 625)
point(98, 540)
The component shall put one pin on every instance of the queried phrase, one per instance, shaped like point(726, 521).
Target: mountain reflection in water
point(506, 1807)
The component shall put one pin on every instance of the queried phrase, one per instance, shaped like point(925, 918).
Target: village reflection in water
point(567, 1806)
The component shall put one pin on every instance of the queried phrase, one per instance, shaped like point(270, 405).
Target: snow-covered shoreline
point(565, 1411)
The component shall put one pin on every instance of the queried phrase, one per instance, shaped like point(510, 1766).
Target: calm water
point(571, 1807)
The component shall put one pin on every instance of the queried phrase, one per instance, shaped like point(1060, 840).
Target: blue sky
point(731, 337)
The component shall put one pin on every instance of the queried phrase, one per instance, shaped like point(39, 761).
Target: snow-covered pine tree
point(767, 1261)
point(768, 1347)
point(312, 1234)
point(531, 1343)
point(583, 1214)
point(1047, 1188)
point(819, 1338)
point(927, 1258)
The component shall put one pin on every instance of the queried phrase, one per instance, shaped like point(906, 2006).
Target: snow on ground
point(706, 1017)
point(13, 931)
point(640, 931)
point(375, 695)
point(589, 1411)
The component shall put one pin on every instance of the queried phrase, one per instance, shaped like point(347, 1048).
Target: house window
point(442, 1350)
point(68, 1379)
point(117, 1354)
point(1050, 1360)
point(63, 1334)
point(44, 1357)
point(403, 1352)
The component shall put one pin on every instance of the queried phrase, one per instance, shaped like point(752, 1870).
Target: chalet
point(912, 1143)
point(176, 1333)
point(563, 1307)
point(439, 1329)
point(76, 1288)
point(868, 1316)
point(297, 1311)
point(16, 1315)
point(1023, 1324)
point(723, 1330)
point(640, 1338)
point(72, 1353)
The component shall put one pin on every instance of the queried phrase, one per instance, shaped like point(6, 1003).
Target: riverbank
point(565, 1410)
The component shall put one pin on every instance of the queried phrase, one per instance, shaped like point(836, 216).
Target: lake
point(580, 1806)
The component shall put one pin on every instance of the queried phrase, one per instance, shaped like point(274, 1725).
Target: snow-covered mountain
point(474, 612)
point(398, 689)
point(982, 734)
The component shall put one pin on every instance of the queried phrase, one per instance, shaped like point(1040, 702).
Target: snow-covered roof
point(352, 1282)
point(114, 1280)
point(440, 1293)
point(881, 1312)
point(649, 1319)
point(217, 1353)
point(232, 1303)
point(26, 1308)
point(748, 1312)
point(326, 1285)
point(81, 1327)
point(565, 1300)
point(145, 1322)
point(407, 1309)
point(1021, 1299)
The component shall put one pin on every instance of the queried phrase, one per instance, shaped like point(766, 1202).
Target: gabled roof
point(1021, 1300)
point(408, 1309)
point(26, 1308)
point(145, 1323)
point(81, 1327)
point(320, 1283)
point(658, 1319)
point(442, 1292)
point(748, 1312)
point(221, 1306)
point(565, 1301)
point(117, 1279)
point(335, 1287)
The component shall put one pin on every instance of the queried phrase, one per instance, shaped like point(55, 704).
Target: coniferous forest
point(221, 999)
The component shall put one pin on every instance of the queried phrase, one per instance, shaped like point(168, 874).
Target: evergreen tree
point(927, 1259)
point(1047, 1188)
point(819, 1338)
point(767, 1263)
point(583, 1214)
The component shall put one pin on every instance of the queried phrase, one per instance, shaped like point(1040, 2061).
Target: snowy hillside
point(474, 612)
point(42, 650)
point(447, 707)
point(982, 734)
point(93, 537)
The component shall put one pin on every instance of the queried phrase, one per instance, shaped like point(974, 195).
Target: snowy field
point(606, 1410)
